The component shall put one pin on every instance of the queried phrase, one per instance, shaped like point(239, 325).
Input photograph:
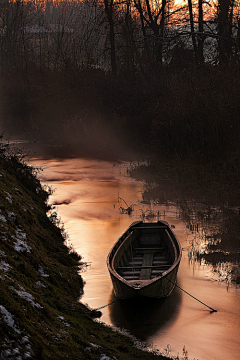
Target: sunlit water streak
point(86, 193)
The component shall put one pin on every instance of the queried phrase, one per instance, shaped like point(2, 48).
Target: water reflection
point(216, 237)
point(86, 198)
point(144, 317)
point(214, 227)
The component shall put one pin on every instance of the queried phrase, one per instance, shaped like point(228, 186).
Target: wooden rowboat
point(144, 261)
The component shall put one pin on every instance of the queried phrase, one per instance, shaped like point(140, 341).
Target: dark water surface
point(86, 195)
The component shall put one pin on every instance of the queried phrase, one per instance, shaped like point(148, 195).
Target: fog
point(62, 135)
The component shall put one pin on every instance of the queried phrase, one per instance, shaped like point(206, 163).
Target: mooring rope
point(102, 307)
point(212, 310)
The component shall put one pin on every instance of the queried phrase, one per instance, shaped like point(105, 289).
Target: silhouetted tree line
point(160, 77)
point(117, 34)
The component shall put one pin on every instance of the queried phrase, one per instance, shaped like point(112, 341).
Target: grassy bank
point(40, 315)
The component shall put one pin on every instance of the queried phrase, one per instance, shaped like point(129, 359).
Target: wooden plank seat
point(160, 258)
point(134, 264)
point(135, 272)
point(145, 262)
point(160, 255)
point(160, 270)
point(143, 249)
point(141, 272)
point(146, 271)
point(159, 262)
point(163, 266)
point(149, 227)
point(143, 267)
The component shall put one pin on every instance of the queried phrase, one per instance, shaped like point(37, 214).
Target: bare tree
point(109, 12)
point(224, 42)
point(201, 36)
point(193, 34)
point(153, 15)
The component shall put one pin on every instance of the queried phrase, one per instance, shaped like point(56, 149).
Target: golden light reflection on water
point(86, 198)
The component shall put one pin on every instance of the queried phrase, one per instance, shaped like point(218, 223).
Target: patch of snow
point(28, 347)
point(2, 253)
point(2, 218)
point(62, 319)
point(27, 355)
point(95, 345)
point(89, 348)
point(11, 215)
point(28, 350)
point(4, 266)
point(4, 277)
point(25, 340)
point(105, 357)
point(20, 234)
point(9, 197)
point(42, 273)
point(15, 351)
point(7, 353)
point(20, 245)
point(21, 288)
point(7, 317)
point(40, 284)
point(11, 349)
point(25, 295)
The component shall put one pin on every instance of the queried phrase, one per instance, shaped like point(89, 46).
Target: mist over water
point(86, 198)
point(98, 142)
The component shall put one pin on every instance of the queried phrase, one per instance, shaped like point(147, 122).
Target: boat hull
point(159, 287)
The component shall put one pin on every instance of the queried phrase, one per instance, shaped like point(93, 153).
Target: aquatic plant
point(149, 214)
point(127, 209)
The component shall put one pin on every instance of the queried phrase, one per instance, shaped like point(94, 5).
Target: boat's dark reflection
point(145, 316)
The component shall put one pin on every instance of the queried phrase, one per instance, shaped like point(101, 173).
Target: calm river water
point(86, 193)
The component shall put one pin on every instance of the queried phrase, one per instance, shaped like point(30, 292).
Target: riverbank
point(41, 316)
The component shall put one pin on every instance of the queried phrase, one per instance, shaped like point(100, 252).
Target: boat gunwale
point(148, 282)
